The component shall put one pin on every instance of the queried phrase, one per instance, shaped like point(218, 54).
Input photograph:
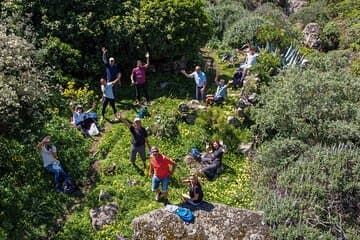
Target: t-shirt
point(161, 165)
point(107, 90)
point(194, 190)
point(139, 74)
point(47, 156)
point(78, 117)
point(138, 136)
point(200, 78)
point(111, 72)
point(221, 91)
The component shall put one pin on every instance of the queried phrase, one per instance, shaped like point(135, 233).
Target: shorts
point(155, 182)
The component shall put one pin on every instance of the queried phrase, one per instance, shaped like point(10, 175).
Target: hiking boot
point(158, 196)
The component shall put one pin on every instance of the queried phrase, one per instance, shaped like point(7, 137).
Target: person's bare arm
point(123, 120)
point(92, 107)
point(104, 58)
point(147, 55)
point(173, 167)
point(186, 74)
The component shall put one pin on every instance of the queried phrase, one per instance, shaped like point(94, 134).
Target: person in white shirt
point(200, 81)
point(49, 157)
point(108, 95)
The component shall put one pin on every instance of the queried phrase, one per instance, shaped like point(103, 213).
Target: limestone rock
point(294, 6)
point(311, 34)
point(212, 221)
point(246, 148)
point(103, 215)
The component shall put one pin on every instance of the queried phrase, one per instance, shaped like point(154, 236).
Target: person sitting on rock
point(212, 160)
point(221, 91)
point(49, 157)
point(196, 194)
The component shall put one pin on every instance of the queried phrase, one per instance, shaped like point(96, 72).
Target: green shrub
point(243, 31)
point(315, 12)
point(330, 36)
point(267, 65)
point(224, 15)
point(355, 67)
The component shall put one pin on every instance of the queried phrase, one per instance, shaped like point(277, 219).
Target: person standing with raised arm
point(200, 81)
point(112, 70)
point(108, 95)
point(138, 78)
point(139, 138)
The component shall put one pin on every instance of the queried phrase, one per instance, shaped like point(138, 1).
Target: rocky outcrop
point(212, 221)
point(311, 34)
point(103, 215)
point(294, 6)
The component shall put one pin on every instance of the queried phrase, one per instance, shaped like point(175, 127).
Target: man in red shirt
point(160, 173)
point(138, 77)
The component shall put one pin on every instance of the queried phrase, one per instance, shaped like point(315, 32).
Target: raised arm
point(125, 121)
point(92, 107)
point(104, 57)
point(147, 55)
point(216, 79)
point(186, 74)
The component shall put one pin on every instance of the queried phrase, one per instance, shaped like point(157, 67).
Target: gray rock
point(212, 221)
point(294, 6)
point(246, 148)
point(183, 107)
point(133, 182)
point(311, 34)
point(103, 215)
point(252, 98)
point(240, 113)
point(244, 103)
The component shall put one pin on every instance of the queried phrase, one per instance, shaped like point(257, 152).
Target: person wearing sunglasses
point(160, 172)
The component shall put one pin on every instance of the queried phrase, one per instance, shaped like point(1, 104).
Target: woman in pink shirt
point(138, 77)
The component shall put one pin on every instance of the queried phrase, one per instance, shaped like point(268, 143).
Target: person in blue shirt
point(200, 81)
point(221, 90)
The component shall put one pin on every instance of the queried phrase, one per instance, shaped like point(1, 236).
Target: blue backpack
point(185, 214)
point(195, 153)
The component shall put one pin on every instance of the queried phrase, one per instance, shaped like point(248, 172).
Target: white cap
point(137, 119)
point(111, 59)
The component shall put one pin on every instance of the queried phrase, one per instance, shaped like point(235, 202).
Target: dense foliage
point(309, 120)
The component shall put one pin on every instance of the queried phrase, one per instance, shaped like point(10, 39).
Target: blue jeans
point(58, 172)
point(156, 182)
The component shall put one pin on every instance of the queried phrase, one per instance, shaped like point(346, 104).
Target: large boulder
point(212, 221)
point(311, 34)
point(294, 6)
point(103, 215)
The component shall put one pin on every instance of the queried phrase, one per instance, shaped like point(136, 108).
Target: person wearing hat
point(49, 157)
point(82, 120)
point(159, 172)
point(138, 78)
point(139, 138)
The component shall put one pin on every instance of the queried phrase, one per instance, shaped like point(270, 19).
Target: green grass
point(231, 188)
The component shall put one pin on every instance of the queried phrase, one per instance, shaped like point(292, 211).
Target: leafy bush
point(315, 12)
point(330, 36)
point(23, 91)
point(314, 196)
point(224, 15)
point(267, 65)
point(243, 31)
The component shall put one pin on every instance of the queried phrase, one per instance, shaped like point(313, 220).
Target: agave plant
point(292, 57)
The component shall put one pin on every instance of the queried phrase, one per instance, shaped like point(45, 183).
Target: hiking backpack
point(195, 153)
point(185, 214)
